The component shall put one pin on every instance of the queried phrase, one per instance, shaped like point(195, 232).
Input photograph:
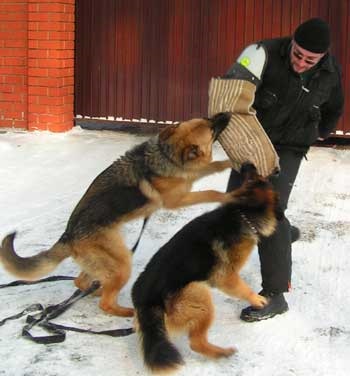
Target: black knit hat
point(313, 35)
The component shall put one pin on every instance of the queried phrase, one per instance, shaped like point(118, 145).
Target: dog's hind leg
point(111, 287)
point(193, 310)
point(105, 258)
point(118, 264)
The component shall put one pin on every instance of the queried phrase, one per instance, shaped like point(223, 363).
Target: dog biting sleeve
point(244, 139)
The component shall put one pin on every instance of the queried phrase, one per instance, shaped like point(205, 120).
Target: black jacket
point(294, 115)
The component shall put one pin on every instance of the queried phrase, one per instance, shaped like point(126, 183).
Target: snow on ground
point(43, 175)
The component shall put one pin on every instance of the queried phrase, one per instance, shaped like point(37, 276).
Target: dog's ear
point(167, 132)
point(191, 152)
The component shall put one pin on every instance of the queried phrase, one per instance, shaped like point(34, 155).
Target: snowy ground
point(43, 176)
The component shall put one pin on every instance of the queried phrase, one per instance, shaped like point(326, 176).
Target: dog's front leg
point(216, 166)
point(235, 286)
point(192, 198)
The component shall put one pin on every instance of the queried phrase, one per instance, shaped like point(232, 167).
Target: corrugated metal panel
point(153, 59)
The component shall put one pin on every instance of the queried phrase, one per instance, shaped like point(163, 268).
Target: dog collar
point(249, 223)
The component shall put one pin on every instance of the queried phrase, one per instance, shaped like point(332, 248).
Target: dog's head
point(192, 140)
point(258, 200)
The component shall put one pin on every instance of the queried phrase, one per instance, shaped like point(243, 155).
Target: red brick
point(60, 91)
point(54, 101)
point(19, 89)
point(38, 108)
point(14, 79)
point(69, 26)
point(33, 44)
point(67, 81)
point(69, 45)
point(61, 35)
point(35, 17)
point(33, 25)
point(13, 17)
point(6, 105)
point(14, 115)
point(57, 110)
point(13, 52)
point(51, 17)
point(32, 100)
point(33, 118)
point(61, 72)
point(38, 35)
point(38, 72)
point(52, 8)
point(8, 97)
point(33, 7)
point(14, 43)
point(6, 88)
point(6, 123)
point(13, 25)
point(13, 8)
point(61, 54)
point(51, 63)
point(52, 44)
point(38, 90)
point(62, 126)
point(38, 54)
point(15, 61)
point(46, 81)
point(51, 26)
point(21, 124)
point(10, 35)
point(13, 70)
point(17, 106)
point(68, 99)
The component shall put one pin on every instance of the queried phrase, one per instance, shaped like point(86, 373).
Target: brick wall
point(37, 68)
point(13, 60)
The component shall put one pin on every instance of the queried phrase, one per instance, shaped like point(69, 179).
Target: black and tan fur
point(172, 293)
point(158, 173)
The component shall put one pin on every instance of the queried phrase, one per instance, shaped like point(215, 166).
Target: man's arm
point(331, 110)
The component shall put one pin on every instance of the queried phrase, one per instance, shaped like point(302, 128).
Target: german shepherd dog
point(154, 174)
point(172, 293)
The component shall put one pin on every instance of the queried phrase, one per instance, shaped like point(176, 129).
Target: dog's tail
point(160, 355)
point(34, 267)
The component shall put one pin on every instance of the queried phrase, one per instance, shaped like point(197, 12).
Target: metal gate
point(151, 60)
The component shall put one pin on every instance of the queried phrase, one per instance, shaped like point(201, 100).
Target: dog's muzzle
point(220, 122)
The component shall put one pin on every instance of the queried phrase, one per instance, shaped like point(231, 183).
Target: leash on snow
point(133, 249)
point(44, 315)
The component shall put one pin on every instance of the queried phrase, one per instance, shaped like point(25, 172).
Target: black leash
point(133, 249)
point(44, 315)
point(48, 279)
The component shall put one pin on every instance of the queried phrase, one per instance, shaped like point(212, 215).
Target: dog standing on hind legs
point(172, 293)
point(157, 173)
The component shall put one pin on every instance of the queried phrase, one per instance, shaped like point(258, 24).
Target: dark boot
point(294, 233)
point(276, 305)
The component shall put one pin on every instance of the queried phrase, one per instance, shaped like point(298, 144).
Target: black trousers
point(275, 251)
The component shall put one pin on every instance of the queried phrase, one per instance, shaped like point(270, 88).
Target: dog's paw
point(225, 164)
point(258, 301)
point(228, 351)
point(230, 197)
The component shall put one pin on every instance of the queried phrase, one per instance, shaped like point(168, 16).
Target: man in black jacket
point(299, 100)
